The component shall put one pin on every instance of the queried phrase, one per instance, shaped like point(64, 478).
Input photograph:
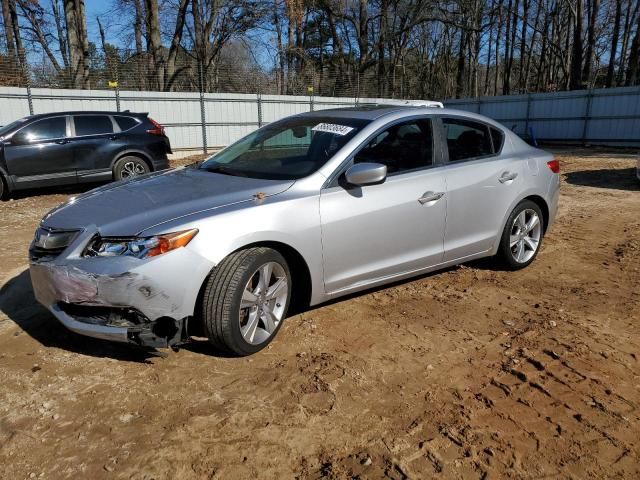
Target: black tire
point(221, 315)
point(4, 191)
point(130, 166)
point(505, 252)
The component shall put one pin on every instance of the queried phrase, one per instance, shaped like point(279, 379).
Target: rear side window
point(92, 125)
point(45, 129)
point(125, 123)
point(467, 139)
point(497, 139)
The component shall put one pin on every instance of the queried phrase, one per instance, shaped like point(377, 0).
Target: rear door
point(40, 153)
point(95, 143)
point(482, 183)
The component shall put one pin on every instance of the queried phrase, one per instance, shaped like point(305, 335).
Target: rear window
point(92, 125)
point(497, 138)
point(125, 123)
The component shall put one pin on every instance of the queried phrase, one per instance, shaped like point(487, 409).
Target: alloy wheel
point(524, 239)
point(132, 169)
point(263, 303)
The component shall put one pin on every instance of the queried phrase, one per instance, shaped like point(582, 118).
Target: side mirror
point(366, 173)
point(19, 139)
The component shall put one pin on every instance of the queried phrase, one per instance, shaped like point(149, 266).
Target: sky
point(97, 8)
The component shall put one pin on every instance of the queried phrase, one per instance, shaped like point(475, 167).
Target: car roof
point(374, 112)
point(85, 112)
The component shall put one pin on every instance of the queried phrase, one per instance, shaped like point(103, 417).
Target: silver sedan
point(301, 211)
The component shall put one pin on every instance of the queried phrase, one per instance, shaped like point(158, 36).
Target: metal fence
point(200, 122)
point(194, 122)
point(605, 116)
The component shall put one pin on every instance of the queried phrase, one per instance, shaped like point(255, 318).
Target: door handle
point(506, 176)
point(430, 197)
point(114, 137)
point(62, 142)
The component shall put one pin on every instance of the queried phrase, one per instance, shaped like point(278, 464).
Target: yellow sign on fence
point(113, 84)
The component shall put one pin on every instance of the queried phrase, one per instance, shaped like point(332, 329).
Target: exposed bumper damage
point(99, 306)
point(123, 299)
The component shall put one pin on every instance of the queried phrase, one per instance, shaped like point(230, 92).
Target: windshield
point(286, 150)
point(7, 128)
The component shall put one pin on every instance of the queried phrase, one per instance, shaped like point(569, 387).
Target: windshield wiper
point(223, 170)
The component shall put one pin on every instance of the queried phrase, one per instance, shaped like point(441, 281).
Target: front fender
point(294, 222)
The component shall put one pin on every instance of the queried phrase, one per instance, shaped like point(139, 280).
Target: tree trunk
point(281, 53)
point(154, 45)
point(614, 44)
point(507, 49)
point(461, 64)
point(137, 31)
point(523, 43)
point(77, 42)
point(175, 45)
point(498, 36)
point(591, 41)
point(634, 58)
point(575, 74)
point(8, 28)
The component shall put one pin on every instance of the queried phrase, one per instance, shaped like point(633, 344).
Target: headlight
point(139, 247)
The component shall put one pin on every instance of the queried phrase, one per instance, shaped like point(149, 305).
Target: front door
point(40, 154)
point(375, 232)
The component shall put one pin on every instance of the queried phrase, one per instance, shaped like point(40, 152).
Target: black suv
point(78, 147)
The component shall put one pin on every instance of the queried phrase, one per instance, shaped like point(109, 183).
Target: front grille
point(44, 254)
point(48, 243)
point(108, 316)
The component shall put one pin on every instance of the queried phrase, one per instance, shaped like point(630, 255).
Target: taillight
point(554, 165)
point(157, 128)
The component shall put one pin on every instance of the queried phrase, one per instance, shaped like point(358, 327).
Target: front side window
point(467, 139)
point(286, 150)
point(92, 125)
point(402, 147)
point(45, 129)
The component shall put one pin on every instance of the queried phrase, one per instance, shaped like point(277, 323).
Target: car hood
point(128, 207)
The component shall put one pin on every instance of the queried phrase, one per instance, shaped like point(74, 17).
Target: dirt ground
point(468, 373)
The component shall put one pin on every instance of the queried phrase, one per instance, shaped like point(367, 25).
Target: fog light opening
point(165, 327)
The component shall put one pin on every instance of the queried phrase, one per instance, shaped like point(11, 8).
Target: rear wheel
point(246, 300)
point(522, 235)
point(128, 167)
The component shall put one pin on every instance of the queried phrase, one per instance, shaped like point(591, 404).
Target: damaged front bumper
point(122, 299)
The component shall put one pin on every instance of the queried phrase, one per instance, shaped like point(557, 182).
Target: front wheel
point(246, 299)
point(522, 236)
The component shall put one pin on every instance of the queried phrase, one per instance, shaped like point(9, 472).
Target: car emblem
point(41, 238)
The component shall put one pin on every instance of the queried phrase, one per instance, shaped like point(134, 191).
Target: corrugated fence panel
point(600, 116)
point(606, 116)
point(274, 108)
point(14, 104)
point(47, 100)
point(178, 112)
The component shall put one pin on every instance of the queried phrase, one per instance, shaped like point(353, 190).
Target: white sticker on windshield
point(332, 128)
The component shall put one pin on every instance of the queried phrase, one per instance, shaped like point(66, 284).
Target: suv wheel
point(4, 191)
point(522, 235)
point(128, 167)
point(246, 299)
